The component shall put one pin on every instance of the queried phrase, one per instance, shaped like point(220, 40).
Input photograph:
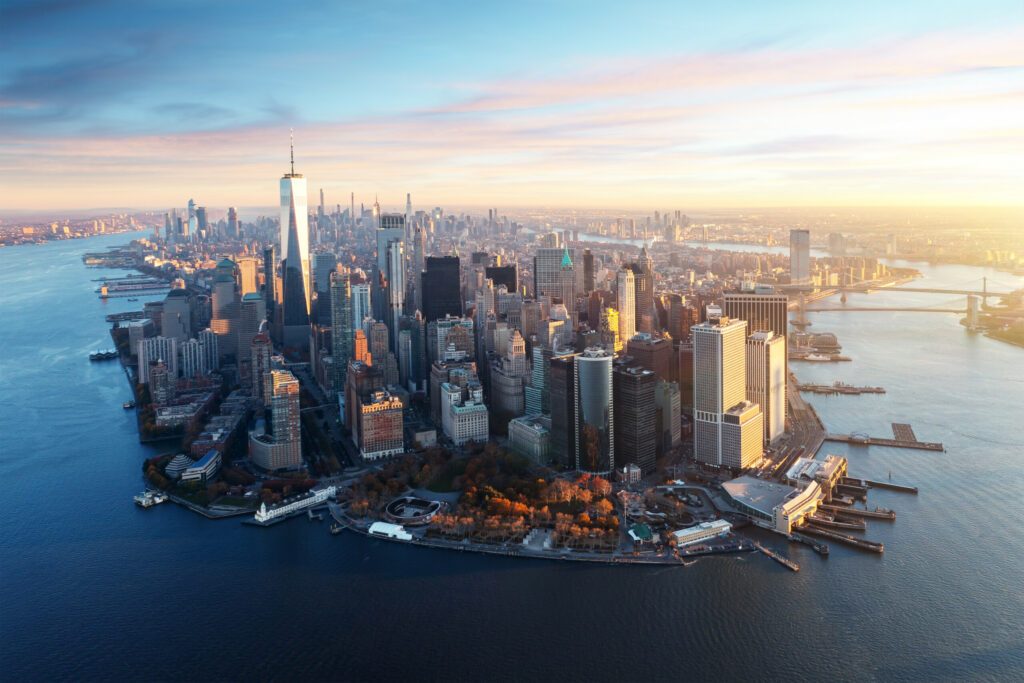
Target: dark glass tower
point(295, 317)
point(441, 291)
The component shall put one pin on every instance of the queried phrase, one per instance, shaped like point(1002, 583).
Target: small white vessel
point(148, 499)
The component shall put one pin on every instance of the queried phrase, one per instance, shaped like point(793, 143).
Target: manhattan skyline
point(114, 105)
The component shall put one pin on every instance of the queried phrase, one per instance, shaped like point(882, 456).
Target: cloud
point(872, 122)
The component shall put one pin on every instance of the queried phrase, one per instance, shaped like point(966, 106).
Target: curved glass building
point(595, 429)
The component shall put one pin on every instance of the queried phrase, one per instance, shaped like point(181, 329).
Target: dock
point(845, 481)
point(785, 562)
point(901, 432)
point(816, 546)
point(834, 523)
point(860, 543)
point(838, 388)
point(877, 513)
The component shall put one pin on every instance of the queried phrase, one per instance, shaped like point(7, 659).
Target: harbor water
point(95, 586)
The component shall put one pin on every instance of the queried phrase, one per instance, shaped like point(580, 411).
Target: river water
point(96, 587)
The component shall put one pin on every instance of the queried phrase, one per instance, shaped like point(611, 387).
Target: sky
point(145, 104)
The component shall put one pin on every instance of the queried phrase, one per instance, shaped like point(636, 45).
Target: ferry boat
point(128, 405)
point(148, 499)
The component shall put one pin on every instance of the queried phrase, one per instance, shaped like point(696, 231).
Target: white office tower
point(157, 348)
point(625, 286)
point(800, 257)
point(766, 380)
point(293, 186)
point(719, 388)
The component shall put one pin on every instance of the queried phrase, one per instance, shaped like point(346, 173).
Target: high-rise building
point(653, 353)
point(669, 402)
point(719, 386)
point(361, 305)
point(537, 392)
point(295, 303)
point(594, 416)
point(380, 430)
point(253, 313)
point(588, 271)
point(562, 380)
point(162, 383)
point(269, 276)
point(342, 326)
point(293, 202)
point(395, 290)
point(247, 269)
point(766, 380)
point(176, 321)
point(233, 227)
point(625, 282)
point(280, 447)
point(440, 283)
point(635, 416)
point(800, 257)
point(157, 348)
point(643, 273)
point(261, 352)
point(608, 330)
point(503, 275)
point(464, 416)
point(763, 312)
point(553, 275)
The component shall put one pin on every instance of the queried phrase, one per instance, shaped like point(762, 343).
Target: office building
point(295, 301)
point(800, 257)
point(506, 276)
point(766, 380)
point(625, 287)
point(562, 380)
point(719, 385)
point(531, 436)
point(280, 447)
point(594, 417)
point(261, 352)
point(380, 430)
point(553, 275)
point(653, 353)
point(762, 312)
point(176, 321)
point(635, 416)
point(154, 349)
point(295, 233)
point(342, 326)
point(464, 415)
point(441, 286)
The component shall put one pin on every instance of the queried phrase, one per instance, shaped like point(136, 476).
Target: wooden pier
point(877, 513)
point(785, 562)
point(847, 481)
point(860, 543)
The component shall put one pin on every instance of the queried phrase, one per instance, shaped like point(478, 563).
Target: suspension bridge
point(964, 292)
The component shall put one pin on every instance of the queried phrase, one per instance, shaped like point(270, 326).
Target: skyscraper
point(295, 316)
point(293, 202)
point(719, 388)
point(342, 326)
point(594, 416)
point(395, 289)
point(766, 380)
point(553, 275)
point(763, 312)
point(281, 448)
point(562, 379)
point(800, 257)
point(635, 416)
point(443, 295)
point(626, 303)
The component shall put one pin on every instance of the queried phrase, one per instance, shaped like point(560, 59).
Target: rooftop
point(757, 493)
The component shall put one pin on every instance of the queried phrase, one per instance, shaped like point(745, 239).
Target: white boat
point(148, 499)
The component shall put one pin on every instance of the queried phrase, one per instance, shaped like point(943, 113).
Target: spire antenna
point(291, 144)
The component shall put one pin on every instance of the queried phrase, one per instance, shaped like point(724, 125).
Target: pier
point(877, 513)
point(838, 388)
point(878, 485)
point(860, 543)
point(835, 523)
point(903, 437)
point(785, 562)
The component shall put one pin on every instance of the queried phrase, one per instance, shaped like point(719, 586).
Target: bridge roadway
point(834, 309)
